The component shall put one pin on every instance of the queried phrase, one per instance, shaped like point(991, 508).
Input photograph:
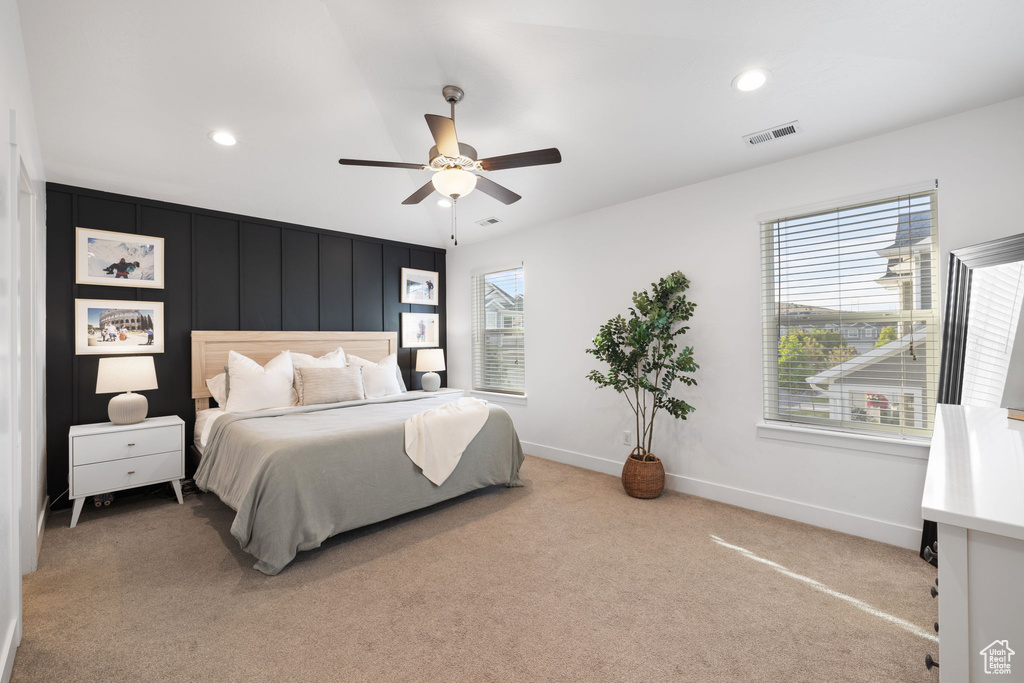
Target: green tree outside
point(803, 354)
point(887, 334)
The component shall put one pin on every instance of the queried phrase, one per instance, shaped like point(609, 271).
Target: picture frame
point(106, 327)
point(420, 287)
point(109, 258)
point(421, 330)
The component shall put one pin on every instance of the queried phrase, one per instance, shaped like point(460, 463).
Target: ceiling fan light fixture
point(751, 79)
point(454, 182)
point(222, 137)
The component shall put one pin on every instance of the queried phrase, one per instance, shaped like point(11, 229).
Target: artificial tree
point(643, 359)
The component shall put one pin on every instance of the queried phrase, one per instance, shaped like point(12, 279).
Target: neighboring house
point(910, 262)
point(503, 310)
point(861, 389)
point(504, 337)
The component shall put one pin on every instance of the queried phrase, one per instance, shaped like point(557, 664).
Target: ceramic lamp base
point(127, 409)
point(431, 381)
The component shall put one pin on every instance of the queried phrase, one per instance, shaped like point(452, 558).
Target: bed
point(297, 476)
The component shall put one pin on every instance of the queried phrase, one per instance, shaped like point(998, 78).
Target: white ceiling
point(636, 95)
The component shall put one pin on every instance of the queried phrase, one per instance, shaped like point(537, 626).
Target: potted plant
point(644, 362)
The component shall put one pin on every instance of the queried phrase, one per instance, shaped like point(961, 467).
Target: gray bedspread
point(297, 476)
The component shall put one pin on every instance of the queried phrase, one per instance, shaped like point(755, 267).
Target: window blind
point(993, 313)
point(851, 317)
point(499, 362)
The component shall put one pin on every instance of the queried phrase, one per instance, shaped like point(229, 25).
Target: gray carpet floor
point(566, 579)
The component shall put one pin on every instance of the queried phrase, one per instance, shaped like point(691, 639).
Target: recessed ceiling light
point(444, 203)
point(222, 137)
point(751, 79)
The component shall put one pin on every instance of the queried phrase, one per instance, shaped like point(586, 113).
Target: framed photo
point(118, 259)
point(420, 287)
point(420, 330)
point(118, 327)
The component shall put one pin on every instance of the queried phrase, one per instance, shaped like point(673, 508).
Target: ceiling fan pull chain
point(455, 225)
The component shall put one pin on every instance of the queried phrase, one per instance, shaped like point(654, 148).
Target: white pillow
point(379, 379)
point(334, 359)
point(218, 386)
point(254, 387)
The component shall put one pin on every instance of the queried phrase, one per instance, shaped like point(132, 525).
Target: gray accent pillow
point(328, 385)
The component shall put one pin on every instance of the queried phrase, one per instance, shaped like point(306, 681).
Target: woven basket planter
point(643, 479)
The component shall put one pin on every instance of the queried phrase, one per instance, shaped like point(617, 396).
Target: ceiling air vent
point(770, 134)
point(488, 221)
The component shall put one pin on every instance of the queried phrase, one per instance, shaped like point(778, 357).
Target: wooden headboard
point(210, 350)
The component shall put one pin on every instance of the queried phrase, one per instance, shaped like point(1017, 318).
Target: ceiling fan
point(455, 164)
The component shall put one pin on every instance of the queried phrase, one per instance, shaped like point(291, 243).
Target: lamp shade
point(430, 360)
point(454, 182)
point(127, 373)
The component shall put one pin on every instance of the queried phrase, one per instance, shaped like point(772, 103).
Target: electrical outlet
point(627, 437)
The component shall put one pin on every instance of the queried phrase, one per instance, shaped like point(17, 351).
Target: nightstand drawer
point(94, 448)
point(121, 474)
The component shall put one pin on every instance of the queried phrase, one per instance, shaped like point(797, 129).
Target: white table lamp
point(128, 374)
point(430, 361)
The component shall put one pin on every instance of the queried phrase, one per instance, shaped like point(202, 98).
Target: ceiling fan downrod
point(452, 94)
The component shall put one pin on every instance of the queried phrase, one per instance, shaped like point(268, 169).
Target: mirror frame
point(962, 263)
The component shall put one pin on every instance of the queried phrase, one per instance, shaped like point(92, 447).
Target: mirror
point(994, 350)
point(982, 340)
point(982, 344)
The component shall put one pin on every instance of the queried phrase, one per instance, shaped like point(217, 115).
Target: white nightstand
point(443, 391)
point(107, 457)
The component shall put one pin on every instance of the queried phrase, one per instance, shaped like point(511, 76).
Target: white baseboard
point(856, 525)
point(7, 648)
point(40, 528)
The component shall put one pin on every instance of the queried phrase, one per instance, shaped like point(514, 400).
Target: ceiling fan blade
point(443, 130)
point(502, 194)
point(420, 194)
point(537, 157)
point(384, 164)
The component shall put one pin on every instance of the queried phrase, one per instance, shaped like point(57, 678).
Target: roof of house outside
point(869, 358)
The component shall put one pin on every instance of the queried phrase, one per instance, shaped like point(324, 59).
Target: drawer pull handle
point(131, 471)
point(930, 663)
point(130, 445)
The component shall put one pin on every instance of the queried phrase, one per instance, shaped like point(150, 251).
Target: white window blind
point(851, 317)
point(499, 362)
point(993, 313)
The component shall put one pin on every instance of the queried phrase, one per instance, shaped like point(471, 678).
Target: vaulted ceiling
point(636, 95)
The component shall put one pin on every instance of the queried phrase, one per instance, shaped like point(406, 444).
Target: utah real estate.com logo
point(997, 657)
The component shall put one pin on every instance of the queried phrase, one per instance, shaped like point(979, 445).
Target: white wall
point(582, 270)
point(21, 354)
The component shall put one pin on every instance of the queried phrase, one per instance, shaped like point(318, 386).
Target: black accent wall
point(223, 272)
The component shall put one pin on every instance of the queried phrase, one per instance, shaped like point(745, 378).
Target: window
point(499, 363)
point(827, 276)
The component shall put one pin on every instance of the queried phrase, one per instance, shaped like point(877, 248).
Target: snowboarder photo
point(122, 269)
point(110, 258)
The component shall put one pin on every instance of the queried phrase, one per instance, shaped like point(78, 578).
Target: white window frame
point(776, 426)
point(497, 396)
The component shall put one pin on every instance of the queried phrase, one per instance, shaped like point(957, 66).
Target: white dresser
point(107, 457)
point(974, 490)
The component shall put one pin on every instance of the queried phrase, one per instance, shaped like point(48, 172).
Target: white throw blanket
point(436, 438)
